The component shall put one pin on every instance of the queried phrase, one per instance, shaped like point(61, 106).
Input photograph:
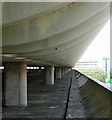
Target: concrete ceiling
point(50, 33)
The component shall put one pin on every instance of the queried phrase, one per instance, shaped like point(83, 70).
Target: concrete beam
point(49, 75)
point(16, 84)
point(58, 72)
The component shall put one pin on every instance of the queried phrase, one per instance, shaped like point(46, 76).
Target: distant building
point(106, 66)
point(87, 64)
point(103, 63)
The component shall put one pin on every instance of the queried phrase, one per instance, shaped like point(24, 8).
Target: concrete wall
point(96, 96)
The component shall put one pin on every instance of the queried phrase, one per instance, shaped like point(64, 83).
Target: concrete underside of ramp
point(50, 33)
point(72, 96)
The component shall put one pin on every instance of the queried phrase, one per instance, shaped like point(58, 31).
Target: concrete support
point(62, 71)
point(58, 72)
point(67, 70)
point(49, 75)
point(16, 84)
point(23, 84)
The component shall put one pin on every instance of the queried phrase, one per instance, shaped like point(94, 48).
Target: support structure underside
point(50, 33)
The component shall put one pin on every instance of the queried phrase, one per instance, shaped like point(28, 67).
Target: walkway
point(61, 100)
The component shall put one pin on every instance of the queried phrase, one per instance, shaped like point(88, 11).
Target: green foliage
point(96, 73)
point(101, 75)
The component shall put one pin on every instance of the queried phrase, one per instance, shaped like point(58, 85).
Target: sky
point(100, 47)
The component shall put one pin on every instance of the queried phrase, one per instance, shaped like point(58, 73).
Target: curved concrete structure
point(97, 97)
point(50, 33)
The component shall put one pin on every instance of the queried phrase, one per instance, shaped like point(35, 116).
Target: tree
point(96, 73)
point(101, 75)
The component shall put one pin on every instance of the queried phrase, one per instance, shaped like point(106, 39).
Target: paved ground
point(61, 100)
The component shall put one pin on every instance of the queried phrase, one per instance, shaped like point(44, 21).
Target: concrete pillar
point(58, 72)
point(67, 70)
point(23, 84)
point(49, 75)
point(16, 84)
point(63, 71)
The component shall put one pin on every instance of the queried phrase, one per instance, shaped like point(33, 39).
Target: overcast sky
point(100, 47)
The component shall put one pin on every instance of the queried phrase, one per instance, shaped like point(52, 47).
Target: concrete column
point(58, 72)
point(67, 70)
point(15, 84)
point(23, 84)
point(63, 71)
point(49, 75)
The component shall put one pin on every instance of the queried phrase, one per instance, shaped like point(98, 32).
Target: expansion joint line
point(68, 99)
